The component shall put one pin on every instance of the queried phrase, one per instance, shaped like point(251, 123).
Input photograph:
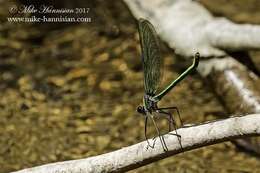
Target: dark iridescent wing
point(150, 56)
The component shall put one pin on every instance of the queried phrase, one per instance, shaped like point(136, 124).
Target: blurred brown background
point(70, 91)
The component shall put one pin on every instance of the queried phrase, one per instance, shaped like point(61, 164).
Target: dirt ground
point(71, 91)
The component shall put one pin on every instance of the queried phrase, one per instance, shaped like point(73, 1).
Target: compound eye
point(140, 109)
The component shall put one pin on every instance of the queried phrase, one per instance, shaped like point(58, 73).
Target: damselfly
point(152, 63)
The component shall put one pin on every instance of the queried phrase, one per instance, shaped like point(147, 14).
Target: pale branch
point(137, 155)
point(229, 36)
point(188, 27)
point(234, 83)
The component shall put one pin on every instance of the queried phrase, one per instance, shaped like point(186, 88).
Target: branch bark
point(137, 155)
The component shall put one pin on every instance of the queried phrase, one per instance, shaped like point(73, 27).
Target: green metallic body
point(180, 78)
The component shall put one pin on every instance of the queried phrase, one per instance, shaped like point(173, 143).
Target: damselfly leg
point(171, 123)
point(159, 135)
point(160, 112)
point(145, 133)
point(173, 108)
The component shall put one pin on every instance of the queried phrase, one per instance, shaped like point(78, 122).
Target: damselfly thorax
point(149, 105)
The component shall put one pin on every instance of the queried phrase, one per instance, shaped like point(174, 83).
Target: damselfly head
point(140, 109)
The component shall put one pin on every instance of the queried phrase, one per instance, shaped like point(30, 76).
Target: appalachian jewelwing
point(152, 63)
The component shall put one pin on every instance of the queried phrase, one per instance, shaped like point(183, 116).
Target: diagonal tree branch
point(188, 27)
point(137, 155)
